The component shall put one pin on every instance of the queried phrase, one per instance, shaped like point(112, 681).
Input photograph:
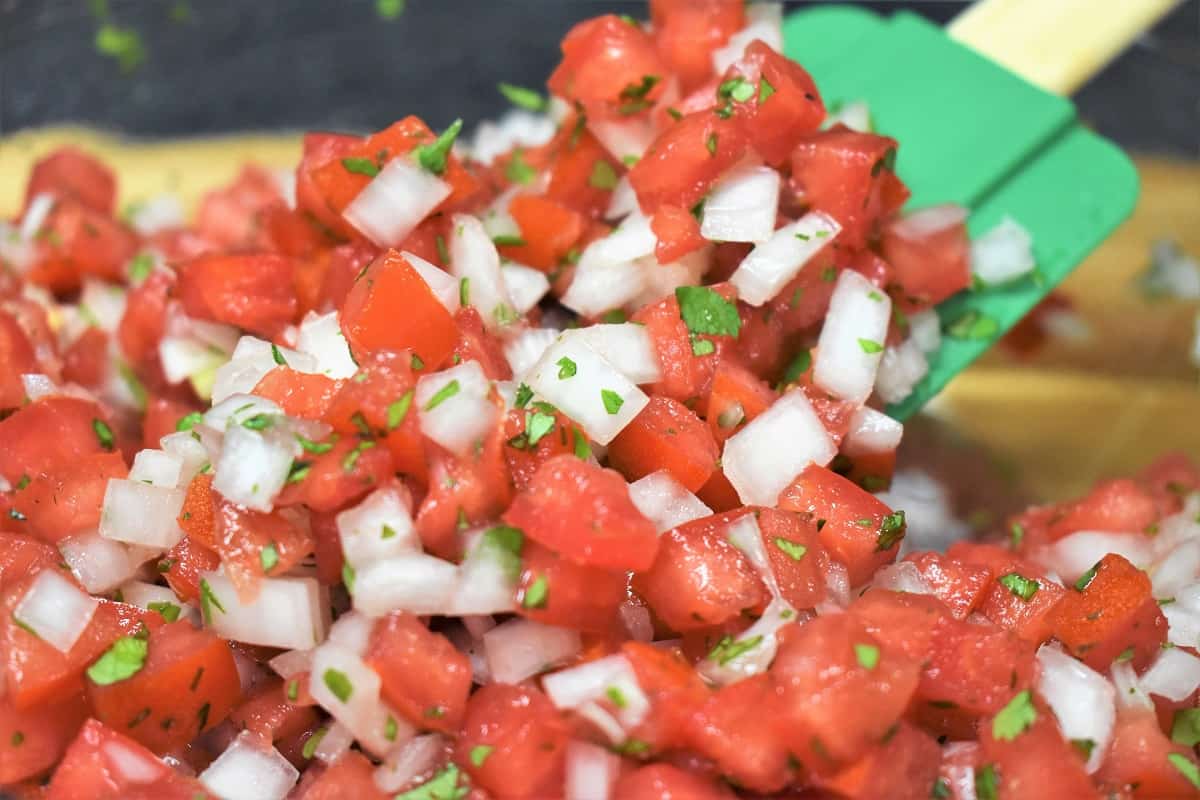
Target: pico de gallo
point(548, 469)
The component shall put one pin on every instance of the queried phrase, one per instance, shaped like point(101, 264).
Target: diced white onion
point(182, 358)
point(582, 396)
point(321, 337)
point(55, 610)
point(444, 286)
point(623, 201)
point(161, 212)
point(292, 662)
point(252, 359)
point(35, 215)
point(141, 514)
point(287, 612)
point(626, 345)
point(516, 127)
point(377, 528)
point(334, 742)
point(758, 467)
point(1130, 693)
point(756, 659)
point(852, 338)
point(352, 631)
point(99, 564)
point(742, 206)
point(1076, 553)
point(665, 501)
point(335, 670)
point(763, 21)
point(1177, 569)
point(526, 285)
point(157, 468)
point(416, 583)
point(1003, 254)
point(254, 465)
point(456, 421)
point(192, 454)
point(521, 648)
point(607, 276)
point(623, 138)
point(636, 621)
point(592, 771)
point(903, 576)
point(37, 385)
point(473, 257)
point(595, 680)
point(900, 370)
point(104, 304)
point(926, 330)
point(395, 202)
point(250, 769)
point(744, 534)
point(1183, 624)
point(660, 280)
point(142, 594)
point(1081, 698)
point(487, 581)
point(872, 431)
point(524, 349)
point(1175, 674)
point(772, 264)
point(928, 221)
point(418, 756)
point(132, 763)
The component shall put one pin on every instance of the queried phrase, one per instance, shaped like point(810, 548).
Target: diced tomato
point(68, 173)
point(665, 782)
point(859, 531)
point(685, 161)
point(609, 66)
point(67, 500)
point(346, 263)
point(699, 579)
point(523, 461)
point(33, 740)
point(424, 677)
point(253, 291)
point(959, 585)
point(834, 702)
point(187, 561)
point(839, 171)
point(145, 318)
point(78, 241)
point(320, 149)
point(338, 477)
point(243, 539)
point(528, 740)
point(555, 591)
point(929, 265)
point(785, 106)
point(548, 228)
point(1169, 479)
point(903, 767)
point(687, 32)
point(16, 359)
point(231, 215)
point(370, 321)
point(666, 435)
point(1142, 756)
point(719, 494)
point(1037, 761)
point(678, 233)
point(22, 556)
point(476, 343)
point(675, 692)
point(162, 417)
point(1119, 506)
point(50, 432)
point(352, 775)
point(327, 547)
point(737, 396)
point(299, 394)
point(271, 715)
point(1011, 601)
point(795, 554)
point(85, 362)
point(730, 729)
point(576, 155)
point(685, 376)
point(102, 764)
point(294, 234)
point(1115, 614)
point(338, 184)
point(584, 513)
point(188, 684)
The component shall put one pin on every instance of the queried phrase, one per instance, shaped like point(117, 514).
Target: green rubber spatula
point(981, 114)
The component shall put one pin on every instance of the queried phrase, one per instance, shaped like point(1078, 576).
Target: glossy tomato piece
point(1120, 506)
point(1142, 756)
point(253, 291)
point(162, 417)
point(528, 738)
point(33, 740)
point(338, 181)
point(1019, 597)
point(699, 579)
point(270, 714)
point(555, 591)
point(795, 554)
point(299, 394)
point(736, 397)
point(675, 690)
point(1115, 614)
point(685, 161)
point(609, 66)
point(687, 32)
point(840, 172)
point(584, 513)
point(1035, 762)
point(678, 233)
point(101, 764)
point(730, 729)
point(424, 677)
point(78, 241)
point(522, 459)
point(185, 563)
point(352, 775)
point(960, 586)
point(549, 229)
point(686, 376)
point(22, 556)
point(69, 173)
point(666, 435)
point(336, 478)
point(67, 500)
point(665, 782)
point(1170, 479)
point(188, 684)
point(904, 766)
point(231, 215)
point(575, 156)
point(50, 432)
point(145, 318)
point(858, 531)
point(477, 343)
point(248, 542)
point(346, 262)
point(785, 106)
point(16, 359)
point(370, 321)
point(320, 148)
point(85, 362)
point(928, 264)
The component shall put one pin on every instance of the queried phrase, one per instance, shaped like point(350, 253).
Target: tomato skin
point(1027, 618)
point(1137, 757)
point(162, 418)
point(733, 387)
point(424, 677)
point(270, 714)
point(730, 729)
point(582, 597)
point(47, 433)
point(679, 169)
point(549, 228)
point(684, 374)
point(678, 233)
point(145, 318)
point(528, 736)
point(352, 775)
point(801, 578)
point(16, 358)
point(69, 173)
point(776, 124)
point(959, 585)
point(686, 33)
point(840, 172)
point(22, 556)
point(1119, 505)
point(576, 152)
point(477, 343)
point(826, 495)
point(903, 767)
point(67, 500)
point(44, 733)
point(369, 318)
point(78, 241)
point(699, 579)
point(665, 782)
point(299, 394)
point(240, 537)
point(252, 291)
point(603, 59)
point(665, 435)
point(1131, 618)
point(675, 690)
point(186, 562)
point(523, 461)
point(1038, 764)
point(319, 148)
point(186, 670)
point(928, 268)
point(1169, 479)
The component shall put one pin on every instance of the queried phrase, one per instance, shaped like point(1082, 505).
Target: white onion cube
point(417, 583)
point(141, 514)
point(521, 648)
point(765, 456)
point(377, 528)
point(872, 431)
point(157, 468)
point(742, 206)
point(395, 202)
point(250, 770)
point(665, 501)
point(772, 264)
point(321, 337)
point(287, 612)
point(55, 610)
point(852, 339)
point(626, 345)
point(454, 407)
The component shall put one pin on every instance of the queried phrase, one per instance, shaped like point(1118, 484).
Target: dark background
point(300, 64)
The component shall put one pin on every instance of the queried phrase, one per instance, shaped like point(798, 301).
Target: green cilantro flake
point(974, 326)
point(1086, 578)
point(398, 410)
point(1084, 746)
point(537, 425)
point(521, 97)
point(480, 753)
point(704, 311)
point(518, 171)
point(1186, 767)
point(169, 611)
point(1022, 587)
point(523, 396)
point(986, 783)
point(710, 144)
point(103, 433)
point(583, 449)
point(269, 557)
point(361, 166)
point(616, 697)
point(208, 601)
point(537, 593)
point(506, 240)
point(124, 45)
point(1015, 718)
point(336, 681)
point(1185, 727)
point(792, 550)
point(870, 347)
point(258, 422)
point(891, 531)
point(1125, 655)
point(389, 10)
point(603, 176)
point(417, 362)
point(612, 401)
point(277, 356)
point(464, 292)
point(798, 366)
point(140, 267)
point(566, 368)
point(433, 156)
point(309, 446)
point(443, 786)
point(1016, 535)
point(867, 655)
point(728, 648)
point(348, 576)
point(123, 660)
point(189, 421)
point(17, 739)
point(443, 394)
point(765, 90)
point(702, 347)
point(738, 89)
point(312, 742)
point(439, 242)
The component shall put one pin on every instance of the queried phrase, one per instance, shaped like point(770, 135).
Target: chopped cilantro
point(433, 156)
point(208, 601)
point(603, 176)
point(439, 242)
point(765, 90)
point(583, 449)
point(867, 655)
point(1086, 578)
point(417, 362)
point(635, 96)
point(189, 421)
point(140, 267)
point(1015, 718)
point(398, 410)
point(523, 396)
point(1022, 587)
point(389, 10)
point(1016, 535)
point(123, 660)
point(612, 401)
point(312, 742)
point(1186, 767)
point(738, 89)
point(537, 425)
point(523, 98)
point(170, 611)
point(728, 648)
point(480, 753)
point(506, 240)
point(973, 325)
point(293, 689)
point(891, 530)
point(798, 366)
point(17, 739)
point(616, 697)
point(391, 729)
point(1124, 655)
point(269, 557)
point(870, 347)
point(361, 166)
point(1084, 746)
point(1185, 727)
point(566, 368)
point(258, 422)
point(443, 786)
point(792, 550)
point(464, 292)
point(348, 576)
point(123, 45)
point(336, 681)
point(536, 594)
point(103, 433)
point(704, 311)
point(986, 783)
point(443, 394)
point(702, 347)
point(518, 171)
point(710, 144)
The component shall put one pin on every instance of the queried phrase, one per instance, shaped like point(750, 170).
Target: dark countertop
point(302, 64)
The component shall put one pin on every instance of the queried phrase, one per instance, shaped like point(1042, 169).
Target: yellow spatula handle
point(1055, 44)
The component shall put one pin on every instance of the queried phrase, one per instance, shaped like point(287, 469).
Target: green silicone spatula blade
point(974, 133)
